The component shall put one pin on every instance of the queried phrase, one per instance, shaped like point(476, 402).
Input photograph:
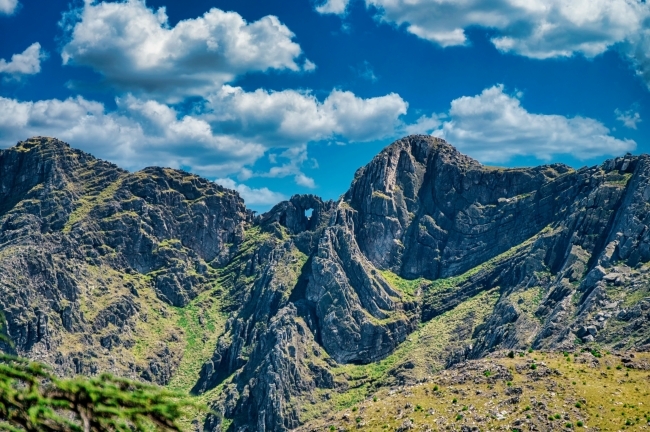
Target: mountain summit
point(428, 260)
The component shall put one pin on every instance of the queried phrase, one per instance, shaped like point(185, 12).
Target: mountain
point(429, 260)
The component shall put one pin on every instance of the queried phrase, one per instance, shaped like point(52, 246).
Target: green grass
point(86, 203)
point(605, 400)
point(405, 286)
point(427, 349)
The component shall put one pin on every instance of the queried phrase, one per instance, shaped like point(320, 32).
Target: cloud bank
point(538, 29)
point(236, 129)
point(494, 127)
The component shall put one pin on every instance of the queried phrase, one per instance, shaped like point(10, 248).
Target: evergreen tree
point(33, 399)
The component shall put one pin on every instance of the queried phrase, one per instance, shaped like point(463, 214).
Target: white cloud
point(136, 50)
point(295, 157)
point(494, 127)
point(234, 129)
point(8, 7)
point(533, 28)
point(138, 134)
point(289, 117)
point(424, 125)
point(628, 118)
point(337, 7)
point(252, 196)
point(26, 63)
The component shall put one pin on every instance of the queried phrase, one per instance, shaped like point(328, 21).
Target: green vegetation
point(89, 201)
point(608, 400)
point(617, 179)
point(32, 399)
point(405, 286)
point(426, 351)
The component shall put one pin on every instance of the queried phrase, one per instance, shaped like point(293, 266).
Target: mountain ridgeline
point(428, 260)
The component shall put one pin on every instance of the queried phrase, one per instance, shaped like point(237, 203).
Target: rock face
point(82, 242)
point(95, 260)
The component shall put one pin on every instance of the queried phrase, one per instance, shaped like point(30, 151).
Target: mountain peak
point(37, 141)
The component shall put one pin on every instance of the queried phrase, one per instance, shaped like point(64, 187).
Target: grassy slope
point(423, 353)
point(590, 393)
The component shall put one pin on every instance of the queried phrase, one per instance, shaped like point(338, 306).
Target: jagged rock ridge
point(548, 257)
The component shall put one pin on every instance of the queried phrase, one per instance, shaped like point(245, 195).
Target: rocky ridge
point(430, 259)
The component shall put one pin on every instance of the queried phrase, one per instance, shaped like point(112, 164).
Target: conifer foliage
point(33, 399)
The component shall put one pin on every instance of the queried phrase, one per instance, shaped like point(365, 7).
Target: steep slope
point(493, 258)
point(430, 259)
point(94, 260)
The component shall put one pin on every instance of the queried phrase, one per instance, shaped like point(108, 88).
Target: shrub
point(511, 354)
point(579, 423)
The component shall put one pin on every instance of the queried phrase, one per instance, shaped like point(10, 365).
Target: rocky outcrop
point(82, 243)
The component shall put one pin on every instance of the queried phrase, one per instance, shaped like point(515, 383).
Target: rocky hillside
point(513, 391)
point(429, 260)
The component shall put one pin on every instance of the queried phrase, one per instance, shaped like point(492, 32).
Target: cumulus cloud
point(136, 50)
point(290, 117)
point(138, 134)
point(8, 7)
point(629, 118)
point(26, 63)
point(337, 7)
point(253, 196)
point(494, 127)
point(533, 28)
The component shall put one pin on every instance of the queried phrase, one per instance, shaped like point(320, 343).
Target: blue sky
point(292, 96)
